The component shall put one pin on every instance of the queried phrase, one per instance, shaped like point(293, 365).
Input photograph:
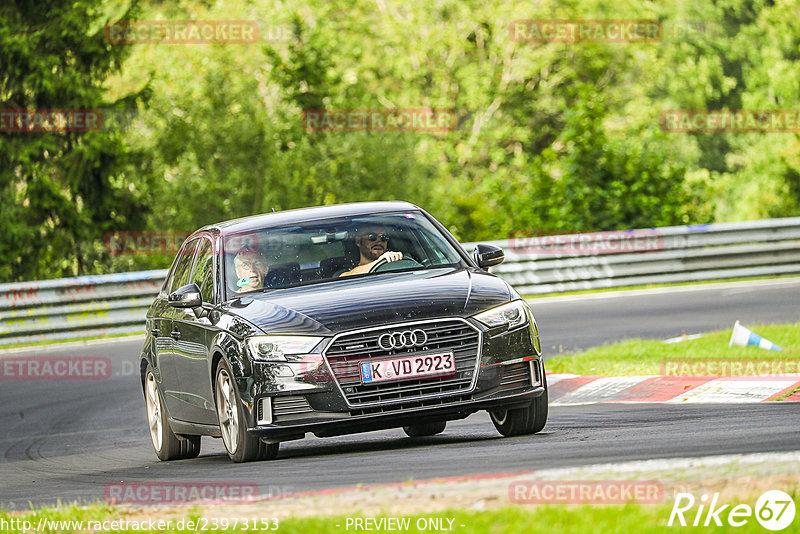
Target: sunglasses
point(375, 237)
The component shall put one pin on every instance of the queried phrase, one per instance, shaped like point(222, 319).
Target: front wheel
point(241, 446)
point(167, 445)
point(522, 421)
point(425, 429)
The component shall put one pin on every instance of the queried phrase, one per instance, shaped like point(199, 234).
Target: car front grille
point(348, 350)
point(431, 402)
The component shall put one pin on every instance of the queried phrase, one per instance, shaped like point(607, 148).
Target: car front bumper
point(327, 425)
point(496, 368)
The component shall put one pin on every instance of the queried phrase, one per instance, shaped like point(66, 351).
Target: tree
point(60, 191)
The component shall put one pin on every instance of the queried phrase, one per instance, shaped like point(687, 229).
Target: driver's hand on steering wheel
point(387, 257)
point(390, 256)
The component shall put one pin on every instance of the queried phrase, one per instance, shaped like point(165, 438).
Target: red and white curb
point(569, 390)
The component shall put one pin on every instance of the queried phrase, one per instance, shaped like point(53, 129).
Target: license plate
point(421, 366)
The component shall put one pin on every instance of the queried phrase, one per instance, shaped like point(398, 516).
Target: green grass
point(557, 519)
point(788, 394)
point(637, 357)
point(654, 286)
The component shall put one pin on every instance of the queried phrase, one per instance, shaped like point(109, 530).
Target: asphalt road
point(66, 440)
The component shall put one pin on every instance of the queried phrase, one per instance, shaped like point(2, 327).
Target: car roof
point(295, 216)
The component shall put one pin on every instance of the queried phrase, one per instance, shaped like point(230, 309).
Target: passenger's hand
point(390, 256)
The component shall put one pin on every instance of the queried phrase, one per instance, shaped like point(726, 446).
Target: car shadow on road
point(354, 446)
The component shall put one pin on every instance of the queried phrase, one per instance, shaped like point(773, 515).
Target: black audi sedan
point(334, 320)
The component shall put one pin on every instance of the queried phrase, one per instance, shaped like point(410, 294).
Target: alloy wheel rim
point(499, 416)
point(154, 412)
point(227, 412)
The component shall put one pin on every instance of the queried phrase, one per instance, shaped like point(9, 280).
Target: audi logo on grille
point(403, 340)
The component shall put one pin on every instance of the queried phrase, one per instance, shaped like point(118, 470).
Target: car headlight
point(510, 315)
point(276, 348)
point(537, 343)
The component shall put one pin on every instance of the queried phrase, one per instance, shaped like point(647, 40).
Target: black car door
point(191, 335)
point(159, 325)
point(165, 338)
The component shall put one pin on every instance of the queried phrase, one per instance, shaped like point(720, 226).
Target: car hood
point(341, 305)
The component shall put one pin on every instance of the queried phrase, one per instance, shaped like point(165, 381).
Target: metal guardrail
point(113, 304)
point(652, 256)
point(78, 307)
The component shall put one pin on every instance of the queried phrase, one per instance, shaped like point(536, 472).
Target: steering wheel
point(382, 265)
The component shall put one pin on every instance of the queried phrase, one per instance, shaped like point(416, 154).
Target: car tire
point(166, 444)
point(425, 429)
point(522, 421)
point(240, 445)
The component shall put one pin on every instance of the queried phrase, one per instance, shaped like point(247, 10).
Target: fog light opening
point(264, 411)
point(536, 373)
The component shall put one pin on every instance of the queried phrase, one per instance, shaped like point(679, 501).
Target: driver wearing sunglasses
point(372, 243)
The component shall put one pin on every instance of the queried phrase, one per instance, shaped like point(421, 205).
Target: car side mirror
point(187, 296)
point(488, 255)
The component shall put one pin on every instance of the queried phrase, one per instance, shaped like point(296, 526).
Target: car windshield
point(332, 249)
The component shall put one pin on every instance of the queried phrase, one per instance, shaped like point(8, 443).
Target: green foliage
point(61, 191)
point(551, 137)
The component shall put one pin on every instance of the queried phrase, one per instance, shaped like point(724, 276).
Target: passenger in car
point(372, 242)
point(251, 268)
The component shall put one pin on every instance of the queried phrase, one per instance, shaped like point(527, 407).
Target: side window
point(183, 267)
point(203, 274)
